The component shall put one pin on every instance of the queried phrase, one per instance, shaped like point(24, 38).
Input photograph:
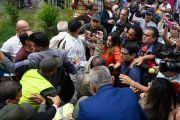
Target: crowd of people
point(117, 63)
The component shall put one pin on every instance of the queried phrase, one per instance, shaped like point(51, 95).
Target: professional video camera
point(173, 62)
point(134, 7)
point(120, 27)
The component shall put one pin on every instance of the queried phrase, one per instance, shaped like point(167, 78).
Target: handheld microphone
point(143, 51)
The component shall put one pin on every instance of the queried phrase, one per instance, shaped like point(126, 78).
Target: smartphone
point(168, 16)
point(169, 24)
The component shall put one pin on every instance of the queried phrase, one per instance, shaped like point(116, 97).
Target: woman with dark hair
point(159, 100)
point(111, 52)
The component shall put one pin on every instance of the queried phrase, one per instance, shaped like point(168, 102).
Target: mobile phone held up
point(169, 23)
point(169, 16)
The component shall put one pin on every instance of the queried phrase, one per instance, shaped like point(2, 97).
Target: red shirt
point(115, 57)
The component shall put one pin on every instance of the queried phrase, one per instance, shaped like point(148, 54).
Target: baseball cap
point(48, 64)
point(150, 11)
point(16, 112)
point(96, 17)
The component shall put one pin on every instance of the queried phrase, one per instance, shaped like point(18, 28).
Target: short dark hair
point(155, 31)
point(138, 30)
point(128, 26)
point(40, 39)
point(98, 60)
point(23, 37)
point(131, 46)
point(9, 90)
point(127, 10)
point(73, 25)
point(157, 5)
point(92, 6)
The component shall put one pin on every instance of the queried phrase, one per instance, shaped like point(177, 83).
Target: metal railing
point(67, 3)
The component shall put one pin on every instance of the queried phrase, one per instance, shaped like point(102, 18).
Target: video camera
point(133, 7)
point(173, 62)
point(120, 26)
point(146, 7)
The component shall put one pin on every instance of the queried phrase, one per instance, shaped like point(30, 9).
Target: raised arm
point(131, 19)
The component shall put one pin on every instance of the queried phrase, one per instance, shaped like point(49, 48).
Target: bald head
point(29, 33)
point(21, 26)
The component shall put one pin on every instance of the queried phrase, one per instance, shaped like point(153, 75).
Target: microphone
point(143, 51)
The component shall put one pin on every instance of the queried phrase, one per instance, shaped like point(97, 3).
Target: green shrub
point(11, 10)
point(48, 14)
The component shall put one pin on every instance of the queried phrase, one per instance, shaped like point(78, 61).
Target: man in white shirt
point(62, 27)
point(74, 47)
point(122, 18)
point(144, 23)
point(12, 45)
point(165, 7)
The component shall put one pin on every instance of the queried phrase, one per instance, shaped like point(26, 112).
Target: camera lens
point(173, 66)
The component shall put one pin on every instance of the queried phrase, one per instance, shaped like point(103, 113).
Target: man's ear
point(133, 55)
point(113, 80)
point(175, 73)
point(17, 30)
point(154, 39)
point(93, 87)
point(53, 71)
point(28, 42)
point(41, 49)
point(8, 101)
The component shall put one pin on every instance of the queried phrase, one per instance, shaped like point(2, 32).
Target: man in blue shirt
point(104, 105)
point(129, 51)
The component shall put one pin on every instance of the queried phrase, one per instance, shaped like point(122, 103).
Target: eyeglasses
point(124, 53)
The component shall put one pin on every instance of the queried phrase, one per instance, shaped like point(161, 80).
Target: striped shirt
point(81, 9)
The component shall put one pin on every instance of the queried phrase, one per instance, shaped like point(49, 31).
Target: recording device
point(146, 7)
point(120, 26)
point(169, 24)
point(169, 16)
point(143, 51)
point(133, 7)
point(169, 65)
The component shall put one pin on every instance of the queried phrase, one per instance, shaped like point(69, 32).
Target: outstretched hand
point(56, 100)
point(99, 35)
point(76, 61)
point(136, 61)
point(125, 79)
point(37, 98)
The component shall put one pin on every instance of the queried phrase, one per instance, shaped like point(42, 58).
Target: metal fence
point(66, 3)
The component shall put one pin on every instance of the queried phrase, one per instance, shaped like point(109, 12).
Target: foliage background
point(8, 29)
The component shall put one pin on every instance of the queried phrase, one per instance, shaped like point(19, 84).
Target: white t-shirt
point(11, 47)
point(164, 8)
point(178, 6)
point(144, 25)
point(110, 13)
